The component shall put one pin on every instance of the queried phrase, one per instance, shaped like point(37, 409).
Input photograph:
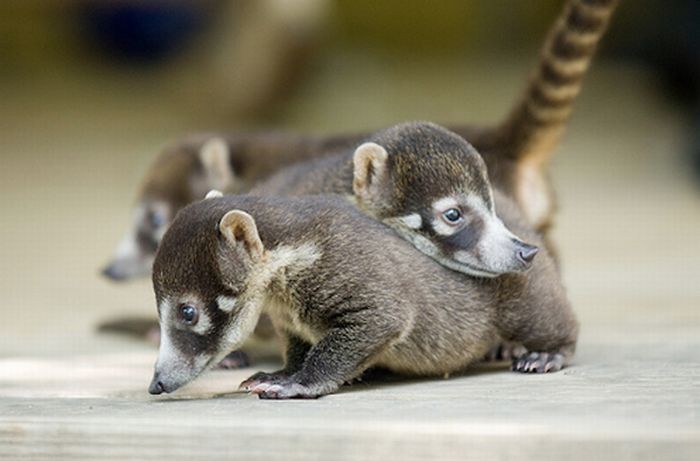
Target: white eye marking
point(412, 221)
point(214, 194)
point(478, 205)
point(226, 303)
point(444, 203)
point(203, 324)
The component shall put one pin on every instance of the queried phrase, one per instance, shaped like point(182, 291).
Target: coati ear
point(238, 227)
point(369, 163)
point(214, 155)
point(213, 194)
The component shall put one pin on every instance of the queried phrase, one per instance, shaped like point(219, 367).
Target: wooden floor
point(628, 230)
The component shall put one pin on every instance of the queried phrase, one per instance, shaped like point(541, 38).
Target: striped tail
point(534, 127)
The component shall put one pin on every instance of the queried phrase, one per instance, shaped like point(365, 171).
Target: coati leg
point(295, 352)
point(344, 353)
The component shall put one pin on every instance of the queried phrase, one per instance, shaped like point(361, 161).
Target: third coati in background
point(516, 151)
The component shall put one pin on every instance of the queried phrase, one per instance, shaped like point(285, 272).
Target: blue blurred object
point(142, 32)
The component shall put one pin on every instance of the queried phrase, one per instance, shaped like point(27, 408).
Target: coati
point(346, 293)
point(187, 169)
point(516, 151)
point(427, 183)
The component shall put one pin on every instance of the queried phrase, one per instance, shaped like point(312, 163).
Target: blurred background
point(91, 90)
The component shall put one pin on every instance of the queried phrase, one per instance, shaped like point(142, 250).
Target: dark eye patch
point(466, 238)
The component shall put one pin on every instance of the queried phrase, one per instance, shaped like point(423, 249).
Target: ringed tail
point(536, 123)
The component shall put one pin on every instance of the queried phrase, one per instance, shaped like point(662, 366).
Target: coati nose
point(111, 271)
point(527, 253)
point(156, 387)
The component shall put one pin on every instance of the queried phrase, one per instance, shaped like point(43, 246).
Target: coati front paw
point(538, 362)
point(288, 390)
point(261, 380)
point(277, 386)
point(236, 359)
point(505, 351)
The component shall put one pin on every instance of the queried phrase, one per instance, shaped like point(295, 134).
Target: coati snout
point(204, 303)
point(432, 187)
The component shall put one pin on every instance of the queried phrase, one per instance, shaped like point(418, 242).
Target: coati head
point(431, 186)
point(183, 173)
point(207, 300)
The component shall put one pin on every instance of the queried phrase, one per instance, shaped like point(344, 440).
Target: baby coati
point(516, 151)
point(427, 183)
point(186, 170)
point(346, 293)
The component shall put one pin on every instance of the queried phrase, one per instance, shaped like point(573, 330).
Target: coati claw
point(235, 360)
point(538, 362)
point(261, 378)
point(277, 385)
point(288, 390)
point(259, 388)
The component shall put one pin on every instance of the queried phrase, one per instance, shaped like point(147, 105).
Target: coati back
point(516, 151)
point(346, 293)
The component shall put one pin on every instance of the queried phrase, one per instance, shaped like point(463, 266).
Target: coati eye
point(452, 216)
point(189, 314)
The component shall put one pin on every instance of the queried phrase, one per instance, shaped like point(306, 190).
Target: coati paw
point(261, 380)
point(286, 390)
point(236, 359)
point(505, 351)
point(538, 362)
